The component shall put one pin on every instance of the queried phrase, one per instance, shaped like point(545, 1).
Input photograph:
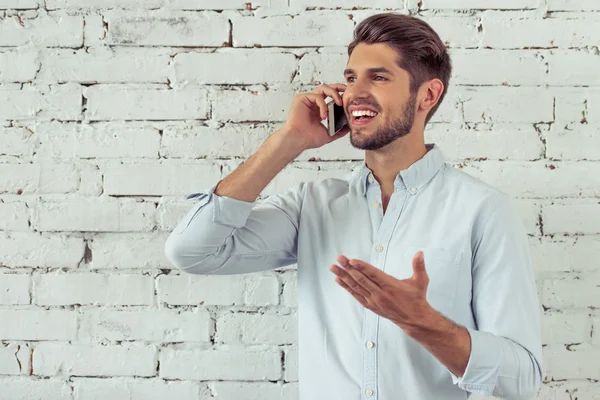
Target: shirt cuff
point(481, 375)
point(227, 211)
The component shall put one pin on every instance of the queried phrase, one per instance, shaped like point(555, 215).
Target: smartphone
point(336, 118)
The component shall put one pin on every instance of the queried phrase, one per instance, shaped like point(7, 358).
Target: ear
point(430, 94)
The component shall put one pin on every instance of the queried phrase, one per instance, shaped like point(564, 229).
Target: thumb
point(419, 272)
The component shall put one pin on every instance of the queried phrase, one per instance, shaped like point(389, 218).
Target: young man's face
point(377, 99)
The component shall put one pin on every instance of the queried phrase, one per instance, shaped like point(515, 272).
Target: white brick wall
point(111, 111)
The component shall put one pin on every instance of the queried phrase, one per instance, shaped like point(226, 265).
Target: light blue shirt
point(476, 255)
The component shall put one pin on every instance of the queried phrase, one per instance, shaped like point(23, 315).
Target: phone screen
point(339, 117)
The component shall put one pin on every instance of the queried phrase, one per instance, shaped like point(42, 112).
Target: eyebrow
point(377, 70)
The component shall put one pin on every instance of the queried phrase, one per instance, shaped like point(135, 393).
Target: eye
point(350, 79)
point(380, 78)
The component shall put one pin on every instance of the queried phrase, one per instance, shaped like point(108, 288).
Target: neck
point(387, 162)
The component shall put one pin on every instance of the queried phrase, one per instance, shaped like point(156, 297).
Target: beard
point(391, 131)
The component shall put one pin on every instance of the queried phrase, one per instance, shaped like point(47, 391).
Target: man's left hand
point(401, 301)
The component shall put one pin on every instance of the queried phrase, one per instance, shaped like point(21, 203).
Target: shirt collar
point(413, 178)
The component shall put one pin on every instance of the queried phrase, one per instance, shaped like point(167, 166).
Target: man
point(433, 295)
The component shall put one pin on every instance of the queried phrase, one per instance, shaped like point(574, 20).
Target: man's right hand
point(303, 124)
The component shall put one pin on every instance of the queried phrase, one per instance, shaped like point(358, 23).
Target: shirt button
point(376, 205)
point(370, 178)
point(370, 345)
point(413, 190)
point(369, 392)
point(379, 249)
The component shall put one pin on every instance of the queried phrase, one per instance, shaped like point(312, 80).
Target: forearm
point(448, 342)
point(481, 362)
point(249, 179)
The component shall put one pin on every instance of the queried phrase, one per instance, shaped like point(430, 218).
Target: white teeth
point(362, 113)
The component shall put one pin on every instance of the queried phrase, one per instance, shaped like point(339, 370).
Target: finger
point(343, 132)
point(362, 279)
point(419, 272)
point(374, 274)
point(361, 299)
point(319, 101)
point(331, 91)
point(349, 281)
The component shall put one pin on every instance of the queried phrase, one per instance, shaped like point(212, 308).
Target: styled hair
point(421, 52)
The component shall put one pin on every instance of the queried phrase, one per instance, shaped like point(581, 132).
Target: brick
point(566, 255)
point(512, 31)
point(89, 288)
point(530, 212)
point(561, 363)
point(99, 140)
point(110, 102)
point(19, 4)
point(451, 110)
point(558, 328)
point(35, 389)
point(14, 289)
point(493, 142)
point(57, 359)
point(95, 215)
point(595, 336)
point(225, 4)
point(307, 29)
point(18, 142)
point(150, 325)
point(95, 31)
point(231, 140)
point(250, 329)
point(324, 67)
point(291, 365)
point(302, 5)
point(91, 181)
point(47, 30)
point(252, 390)
point(235, 66)
point(226, 290)
point(539, 179)
point(480, 67)
point(480, 4)
point(61, 102)
point(125, 251)
point(134, 389)
point(159, 179)
point(566, 293)
point(207, 29)
point(38, 325)
point(105, 65)
point(578, 106)
point(565, 390)
point(570, 68)
point(14, 359)
point(509, 104)
point(456, 31)
point(574, 216)
point(244, 106)
point(223, 364)
point(290, 289)
point(18, 66)
point(574, 141)
point(573, 5)
point(32, 250)
point(85, 4)
point(14, 217)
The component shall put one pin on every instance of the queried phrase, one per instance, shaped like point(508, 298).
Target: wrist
point(288, 143)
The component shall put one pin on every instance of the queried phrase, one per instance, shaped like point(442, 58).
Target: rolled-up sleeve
point(506, 348)
point(223, 235)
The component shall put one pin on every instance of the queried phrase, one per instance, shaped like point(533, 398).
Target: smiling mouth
point(363, 117)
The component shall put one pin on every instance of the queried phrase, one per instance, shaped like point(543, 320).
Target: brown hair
point(421, 51)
